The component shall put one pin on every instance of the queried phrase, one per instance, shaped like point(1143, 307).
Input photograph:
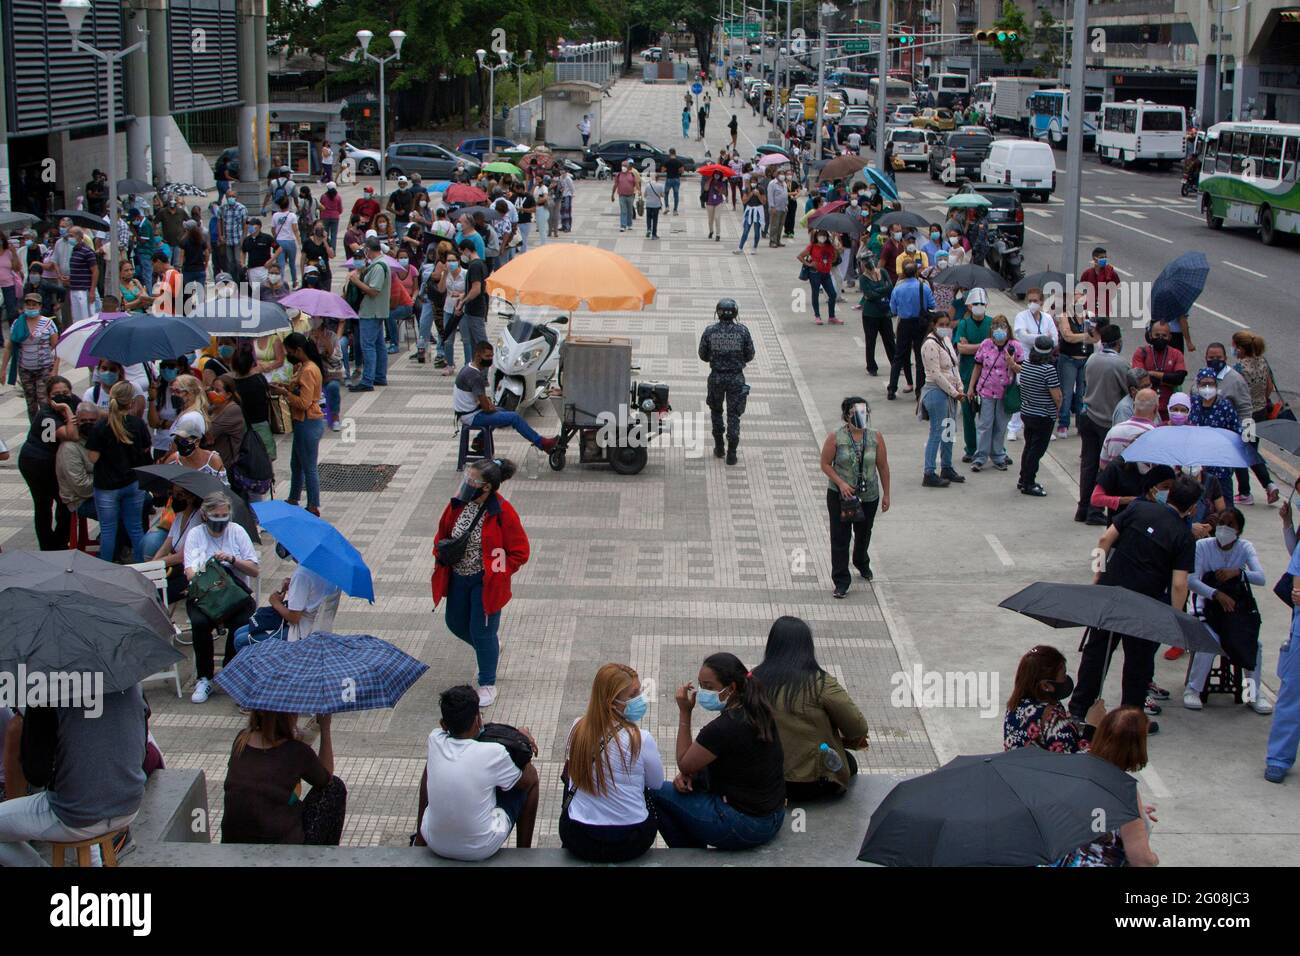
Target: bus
point(1139, 131)
point(1049, 116)
point(1248, 177)
point(948, 88)
point(856, 86)
point(897, 92)
point(981, 97)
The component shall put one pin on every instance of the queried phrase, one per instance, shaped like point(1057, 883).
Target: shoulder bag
point(218, 593)
point(449, 551)
point(1277, 405)
point(851, 510)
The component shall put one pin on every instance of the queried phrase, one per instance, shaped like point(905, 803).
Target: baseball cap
point(331, 185)
point(977, 296)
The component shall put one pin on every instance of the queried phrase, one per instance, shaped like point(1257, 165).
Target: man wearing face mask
point(1029, 324)
point(258, 249)
point(910, 303)
point(1163, 362)
point(855, 460)
point(1102, 282)
point(474, 408)
point(893, 247)
point(374, 282)
point(1106, 374)
point(912, 254)
point(1148, 549)
point(778, 199)
point(727, 346)
point(232, 226)
point(1232, 386)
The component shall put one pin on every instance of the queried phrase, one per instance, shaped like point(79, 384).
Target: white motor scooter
point(602, 169)
point(525, 360)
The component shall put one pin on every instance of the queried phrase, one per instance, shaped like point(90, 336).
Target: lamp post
point(398, 37)
point(1220, 10)
point(75, 11)
point(492, 85)
point(519, 82)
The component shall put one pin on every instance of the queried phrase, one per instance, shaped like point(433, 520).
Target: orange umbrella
point(565, 275)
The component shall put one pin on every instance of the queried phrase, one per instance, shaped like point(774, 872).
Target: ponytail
point(120, 398)
point(751, 701)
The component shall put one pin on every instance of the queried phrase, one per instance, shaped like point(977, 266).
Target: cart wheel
point(556, 459)
point(628, 461)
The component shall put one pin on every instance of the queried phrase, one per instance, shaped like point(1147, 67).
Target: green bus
point(1249, 177)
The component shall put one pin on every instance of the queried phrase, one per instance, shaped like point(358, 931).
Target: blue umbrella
point(144, 337)
point(1178, 286)
point(880, 181)
point(321, 674)
point(1188, 445)
point(318, 546)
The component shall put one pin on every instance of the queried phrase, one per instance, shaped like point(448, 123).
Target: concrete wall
point(77, 158)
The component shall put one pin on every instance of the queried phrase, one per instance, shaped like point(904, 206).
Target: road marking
point(1043, 235)
point(1040, 213)
point(1152, 780)
point(1127, 275)
point(1000, 551)
point(1220, 315)
point(1111, 200)
point(1243, 268)
point(1124, 225)
point(1139, 200)
point(1132, 213)
point(929, 195)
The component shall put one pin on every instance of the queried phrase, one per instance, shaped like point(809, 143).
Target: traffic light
point(996, 37)
point(905, 39)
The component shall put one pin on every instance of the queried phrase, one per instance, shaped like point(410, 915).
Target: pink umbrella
point(319, 303)
point(773, 159)
point(398, 269)
point(464, 193)
point(826, 209)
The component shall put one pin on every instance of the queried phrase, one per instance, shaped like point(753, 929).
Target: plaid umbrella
point(321, 674)
point(1178, 286)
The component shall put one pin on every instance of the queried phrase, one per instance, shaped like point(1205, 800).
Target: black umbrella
point(70, 632)
point(1110, 608)
point(1023, 807)
point(126, 187)
point(79, 218)
point(489, 213)
point(239, 316)
point(903, 218)
point(1039, 280)
point(201, 484)
point(16, 220)
point(1283, 432)
point(97, 579)
point(970, 276)
point(838, 222)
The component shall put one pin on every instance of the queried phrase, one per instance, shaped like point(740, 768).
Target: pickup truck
point(958, 155)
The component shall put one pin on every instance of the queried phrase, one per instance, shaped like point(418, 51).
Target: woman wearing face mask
point(943, 293)
point(477, 586)
point(715, 194)
point(432, 300)
point(254, 396)
point(106, 375)
point(166, 542)
point(133, 295)
point(997, 362)
point(973, 327)
point(958, 247)
point(274, 289)
point(325, 337)
point(818, 259)
point(1180, 408)
point(855, 461)
point(226, 425)
point(214, 361)
point(403, 289)
point(303, 393)
point(451, 283)
point(187, 451)
point(163, 407)
point(193, 400)
point(116, 446)
point(316, 251)
point(288, 237)
point(875, 285)
point(940, 397)
point(1214, 411)
point(36, 336)
point(1226, 566)
point(1035, 717)
point(812, 712)
point(55, 422)
point(1077, 337)
point(220, 538)
point(744, 804)
point(610, 764)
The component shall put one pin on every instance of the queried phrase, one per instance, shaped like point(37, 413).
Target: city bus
point(898, 91)
point(1138, 131)
point(981, 97)
point(1248, 177)
point(1049, 116)
point(948, 88)
point(856, 86)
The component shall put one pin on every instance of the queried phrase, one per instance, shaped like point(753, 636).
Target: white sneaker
point(202, 691)
point(1260, 706)
point(337, 426)
point(487, 695)
point(1192, 699)
point(1013, 436)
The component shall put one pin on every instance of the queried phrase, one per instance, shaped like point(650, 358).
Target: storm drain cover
point(355, 478)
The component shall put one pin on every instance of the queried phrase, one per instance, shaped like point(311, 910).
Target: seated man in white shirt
point(474, 792)
point(306, 603)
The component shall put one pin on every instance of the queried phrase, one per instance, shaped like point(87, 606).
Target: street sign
point(696, 88)
point(857, 46)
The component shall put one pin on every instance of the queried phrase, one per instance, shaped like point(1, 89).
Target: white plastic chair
point(156, 572)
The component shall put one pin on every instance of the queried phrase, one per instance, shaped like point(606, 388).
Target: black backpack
point(252, 472)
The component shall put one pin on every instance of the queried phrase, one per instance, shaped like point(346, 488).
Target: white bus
point(856, 86)
point(1139, 131)
point(981, 97)
point(897, 92)
point(948, 88)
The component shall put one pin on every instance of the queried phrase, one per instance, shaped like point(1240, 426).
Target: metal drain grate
point(355, 478)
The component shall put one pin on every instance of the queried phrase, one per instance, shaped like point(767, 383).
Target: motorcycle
point(1191, 177)
point(1006, 260)
point(525, 361)
point(602, 169)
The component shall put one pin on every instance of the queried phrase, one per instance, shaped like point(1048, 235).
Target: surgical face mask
point(1062, 689)
point(273, 277)
point(254, 229)
point(1162, 496)
point(1177, 418)
point(225, 351)
point(63, 231)
point(1225, 536)
point(941, 264)
point(1101, 263)
point(858, 416)
point(169, 374)
point(978, 311)
point(216, 525)
point(999, 335)
point(453, 264)
point(911, 247)
point(465, 258)
point(31, 313)
point(709, 699)
point(1035, 307)
point(897, 236)
point(107, 377)
point(954, 240)
point(635, 708)
point(944, 333)
point(404, 260)
point(1208, 392)
point(935, 236)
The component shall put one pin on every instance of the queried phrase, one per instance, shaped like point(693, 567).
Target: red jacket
point(504, 542)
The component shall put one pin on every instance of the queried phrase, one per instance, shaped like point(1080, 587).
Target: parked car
point(430, 160)
point(614, 151)
point(935, 120)
point(478, 146)
point(962, 152)
point(853, 122)
point(1007, 214)
point(652, 54)
point(911, 146)
point(1028, 165)
point(366, 161)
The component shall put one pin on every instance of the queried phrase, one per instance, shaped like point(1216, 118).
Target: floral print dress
point(1222, 414)
point(1039, 723)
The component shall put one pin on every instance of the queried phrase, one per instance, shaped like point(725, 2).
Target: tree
point(1013, 20)
point(1047, 35)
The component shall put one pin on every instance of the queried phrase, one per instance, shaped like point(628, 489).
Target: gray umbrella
point(239, 316)
point(17, 220)
point(134, 187)
point(70, 633)
point(1283, 432)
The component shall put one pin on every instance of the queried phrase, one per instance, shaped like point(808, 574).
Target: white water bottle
point(531, 468)
point(830, 759)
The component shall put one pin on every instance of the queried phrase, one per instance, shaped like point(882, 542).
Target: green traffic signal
point(1002, 36)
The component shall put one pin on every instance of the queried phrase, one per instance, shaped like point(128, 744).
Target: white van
point(1027, 165)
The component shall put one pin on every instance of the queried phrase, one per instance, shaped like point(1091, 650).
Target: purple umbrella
point(398, 269)
point(319, 303)
point(75, 338)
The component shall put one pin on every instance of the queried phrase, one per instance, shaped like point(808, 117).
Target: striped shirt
point(81, 267)
point(1037, 379)
point(1120, 437)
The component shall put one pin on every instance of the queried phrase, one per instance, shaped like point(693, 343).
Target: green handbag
point(1011, 398)
point(217, 593)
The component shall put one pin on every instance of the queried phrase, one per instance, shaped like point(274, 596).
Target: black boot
point(731, 451)
point(718, 450)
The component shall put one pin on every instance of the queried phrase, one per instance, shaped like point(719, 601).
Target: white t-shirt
point(308, 592)
point(1028, 327)
point(104, 390)
point(463, 821)
point(282, 224)
point(855, 140)
point(624, 801)
point(200, 545)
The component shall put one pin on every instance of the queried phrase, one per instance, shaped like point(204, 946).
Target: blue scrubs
point(1284, 736)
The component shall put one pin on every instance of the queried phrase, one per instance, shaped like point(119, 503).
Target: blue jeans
point(819, 281)
point(302, 460)
point(427, 330)
point(332, 232)
point(524, 229)
point(149, 544)
point(333, 391)
point(121, 504)
point(392, 324)
point(1284, 735)
point(1070, 371)
point(373, 352)
point(288, 254)
point(942, 431)
point(500, 419)
point(702, 819)
point(673, 187)
point(626, 211)
point(467, 620)
point(758, 232)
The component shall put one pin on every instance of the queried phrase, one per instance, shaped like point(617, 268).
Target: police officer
point(728, 348)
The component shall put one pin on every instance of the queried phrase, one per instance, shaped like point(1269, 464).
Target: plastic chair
point(465, 455)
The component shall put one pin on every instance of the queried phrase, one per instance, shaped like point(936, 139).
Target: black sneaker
point(1035, 490)
point(952, 475)
point(967, 458)
point(837, 593)
point(1153, 728)
point(891, 395)
point(1156, 692)
point(931, 480)
point(1151, 708)
point(1081, 515)
point(1001, 465)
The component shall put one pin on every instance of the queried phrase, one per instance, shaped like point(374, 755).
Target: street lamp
point(398, 37)
point(75, 11)
point(519, 81)
point(1218, 58)
point(492, 87)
